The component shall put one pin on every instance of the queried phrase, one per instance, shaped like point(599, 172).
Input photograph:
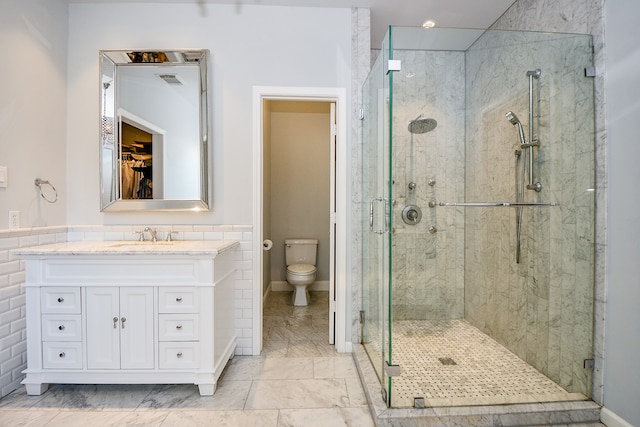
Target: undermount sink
point(139, 244)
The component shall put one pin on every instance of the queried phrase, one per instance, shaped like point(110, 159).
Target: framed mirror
point(153, 130)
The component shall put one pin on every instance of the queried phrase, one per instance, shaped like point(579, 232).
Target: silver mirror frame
point(110, 198)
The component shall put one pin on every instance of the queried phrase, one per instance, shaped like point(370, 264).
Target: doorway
point(334, 235)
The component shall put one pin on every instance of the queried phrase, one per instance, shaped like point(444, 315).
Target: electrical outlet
point(14, 220)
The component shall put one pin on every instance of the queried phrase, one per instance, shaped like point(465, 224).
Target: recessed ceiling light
point(429, 24)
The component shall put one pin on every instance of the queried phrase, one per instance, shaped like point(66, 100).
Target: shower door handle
point(372, 215)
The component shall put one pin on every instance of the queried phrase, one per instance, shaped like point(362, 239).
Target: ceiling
point(412, 13)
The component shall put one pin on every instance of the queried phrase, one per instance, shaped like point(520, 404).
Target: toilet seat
point(301, 269)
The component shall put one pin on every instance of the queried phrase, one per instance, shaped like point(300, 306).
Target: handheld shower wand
point(513, 119)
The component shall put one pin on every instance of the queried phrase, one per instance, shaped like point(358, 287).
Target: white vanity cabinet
point(119, 314)
point(119, 327)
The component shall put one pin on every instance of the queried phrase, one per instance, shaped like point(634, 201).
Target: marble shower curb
point(555, 413)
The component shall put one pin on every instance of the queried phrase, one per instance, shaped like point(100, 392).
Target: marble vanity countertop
point(126, 247)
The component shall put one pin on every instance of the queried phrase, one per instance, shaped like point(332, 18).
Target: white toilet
point(300, 256)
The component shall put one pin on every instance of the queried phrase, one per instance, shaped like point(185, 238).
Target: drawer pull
point(115, 322)
point(179, 355)
point(61, 328)
point(179, 299)
point(124, 319)
point(178, 326)
point(62, 355)
point(60, 299)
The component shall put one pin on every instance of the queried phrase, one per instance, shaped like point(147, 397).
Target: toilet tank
point(300, 251)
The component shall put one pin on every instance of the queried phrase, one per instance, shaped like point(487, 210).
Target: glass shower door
point(376, 220)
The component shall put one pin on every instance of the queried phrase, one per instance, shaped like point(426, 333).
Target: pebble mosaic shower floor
point(452, 363)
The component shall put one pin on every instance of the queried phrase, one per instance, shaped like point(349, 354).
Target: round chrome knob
point(411, 214)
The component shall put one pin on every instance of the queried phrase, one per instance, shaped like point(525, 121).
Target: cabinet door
point(103, 328)
point(136, 328)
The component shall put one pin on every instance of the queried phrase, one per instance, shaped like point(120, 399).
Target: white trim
point(339, 96)
point(611, 419)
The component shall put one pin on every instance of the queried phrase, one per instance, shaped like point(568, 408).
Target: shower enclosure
point(478, 243)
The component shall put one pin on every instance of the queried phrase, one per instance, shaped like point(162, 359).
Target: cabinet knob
point(61, 328)
point(179, 299)
point(115, 322)
point(178, 326)
point(124, 319)
point(179, 355)
point(62, 355)
point(60, 299)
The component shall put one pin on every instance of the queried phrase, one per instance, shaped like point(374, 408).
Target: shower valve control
point(411, 214)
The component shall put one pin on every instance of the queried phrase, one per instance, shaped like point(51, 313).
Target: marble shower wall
point(542, 308)
point(428, 268)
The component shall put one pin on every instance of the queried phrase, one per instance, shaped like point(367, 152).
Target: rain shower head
point(513, 119)
point(422, 125)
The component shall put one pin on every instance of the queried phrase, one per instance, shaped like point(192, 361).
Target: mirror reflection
point(153, 130)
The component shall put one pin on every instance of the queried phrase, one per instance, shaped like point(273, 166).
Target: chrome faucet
point(152, 232)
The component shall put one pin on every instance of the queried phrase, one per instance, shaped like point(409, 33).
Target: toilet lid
point(301, 269)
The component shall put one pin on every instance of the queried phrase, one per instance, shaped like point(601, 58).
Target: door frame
point(285, 93)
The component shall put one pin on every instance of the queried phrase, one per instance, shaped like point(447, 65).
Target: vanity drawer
point(62, 355)
point(178, 355)
point(61, 327)
point(178, 300)
point(60, 300)
point(178, 327)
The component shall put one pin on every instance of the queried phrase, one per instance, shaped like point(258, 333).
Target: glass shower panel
point(541, 308)
point(375, 244)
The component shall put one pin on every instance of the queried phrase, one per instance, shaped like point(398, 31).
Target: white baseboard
point(611, 419)
point(318, 285)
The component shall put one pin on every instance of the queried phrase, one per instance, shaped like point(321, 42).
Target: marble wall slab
point(427, 266)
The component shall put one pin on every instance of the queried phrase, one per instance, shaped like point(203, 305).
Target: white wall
point(33, 39)
point(250, 45)
point(622, 326)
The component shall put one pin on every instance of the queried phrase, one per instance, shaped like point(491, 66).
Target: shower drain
point(447, 361)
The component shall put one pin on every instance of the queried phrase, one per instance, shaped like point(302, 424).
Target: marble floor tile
point(281, 368)
point(229, 395)
point(293, 394)
point(20, 399)
point(275, 348)
point(244, 368)
point(91, 396)
point(357, 398)
point(356, 417)
point(222, 419)
point(112, 418)
point(334, 367)
point(310, 349)
point(27, 418)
